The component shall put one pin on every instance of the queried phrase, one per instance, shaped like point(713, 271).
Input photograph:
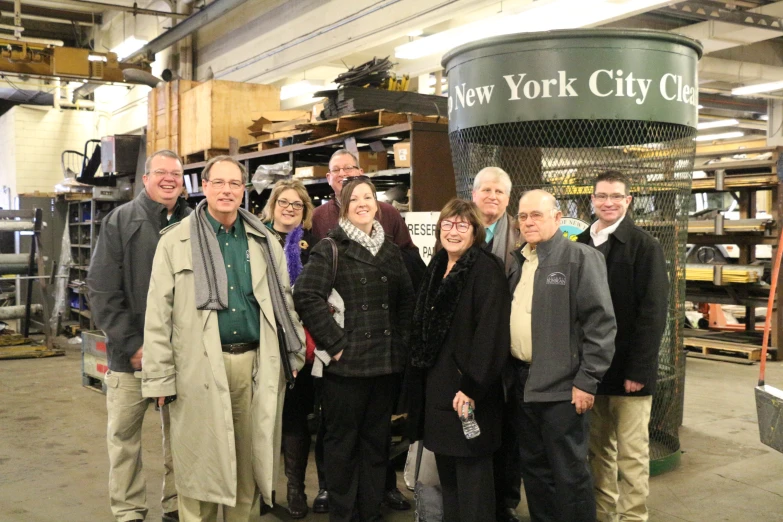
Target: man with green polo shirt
point(221, 340)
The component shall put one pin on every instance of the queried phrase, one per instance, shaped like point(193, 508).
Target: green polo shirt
point(239, 323)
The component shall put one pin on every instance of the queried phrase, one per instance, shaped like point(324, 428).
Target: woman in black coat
point(459, 344)
point(367, 353)
point(289, 215)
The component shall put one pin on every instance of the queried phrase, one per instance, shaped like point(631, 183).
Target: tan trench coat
point(182, 356)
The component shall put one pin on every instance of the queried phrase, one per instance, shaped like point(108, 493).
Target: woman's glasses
point(284, 203)
point(446, 226)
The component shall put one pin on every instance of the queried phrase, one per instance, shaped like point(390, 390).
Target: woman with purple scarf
point(289, 214)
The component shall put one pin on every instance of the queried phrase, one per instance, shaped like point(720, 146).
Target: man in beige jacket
point(221, 340)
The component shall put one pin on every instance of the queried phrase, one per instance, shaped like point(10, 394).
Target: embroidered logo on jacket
point(556, 278)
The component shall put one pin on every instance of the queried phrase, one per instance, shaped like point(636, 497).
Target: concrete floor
point(53, 461)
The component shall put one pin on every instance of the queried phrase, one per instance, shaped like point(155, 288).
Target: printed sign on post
point(421, 226)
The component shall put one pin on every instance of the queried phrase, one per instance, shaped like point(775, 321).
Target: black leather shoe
point(508, 515)
point(171, 516)
point(321, 502)
point(396, 500)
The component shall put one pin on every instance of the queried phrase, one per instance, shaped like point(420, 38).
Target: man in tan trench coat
point(221, 339)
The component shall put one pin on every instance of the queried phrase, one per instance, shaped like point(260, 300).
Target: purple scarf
point(293, 253)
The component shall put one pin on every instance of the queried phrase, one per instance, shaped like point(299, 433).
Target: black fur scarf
point(436, 305)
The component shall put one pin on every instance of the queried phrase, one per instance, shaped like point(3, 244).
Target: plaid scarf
point(372, 243)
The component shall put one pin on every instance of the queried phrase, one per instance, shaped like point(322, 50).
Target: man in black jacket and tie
point(638, 283)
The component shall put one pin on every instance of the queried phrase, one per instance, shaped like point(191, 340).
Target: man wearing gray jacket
point(562, 342)
point(118, 280)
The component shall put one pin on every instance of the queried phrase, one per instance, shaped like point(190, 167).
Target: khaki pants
point(239, 371)
point(127, 488)
point(620, 445)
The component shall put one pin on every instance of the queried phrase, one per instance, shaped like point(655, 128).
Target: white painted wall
point(7, 158)
point(40, 134)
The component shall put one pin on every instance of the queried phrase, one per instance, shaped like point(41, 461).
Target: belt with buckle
point(237, 348)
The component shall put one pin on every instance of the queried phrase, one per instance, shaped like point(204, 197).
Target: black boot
point(296, 449)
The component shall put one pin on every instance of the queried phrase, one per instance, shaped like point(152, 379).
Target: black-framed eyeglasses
point(220, 183)
point(348, 170)
point(616, 198)
point(284, 203)
point(462, 226)
point(354, 178)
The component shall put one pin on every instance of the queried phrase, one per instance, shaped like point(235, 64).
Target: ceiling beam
point(128, 9)
point(76, 16)
point(705, 10)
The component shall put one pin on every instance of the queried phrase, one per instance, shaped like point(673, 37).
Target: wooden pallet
point(714, 347)
point(91, 383)
point(204, 155)
point(28, 351)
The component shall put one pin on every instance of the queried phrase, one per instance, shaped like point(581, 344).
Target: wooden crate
point(163, 115)
point(212, 112)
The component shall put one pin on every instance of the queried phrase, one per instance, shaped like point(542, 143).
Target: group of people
point(235, 327)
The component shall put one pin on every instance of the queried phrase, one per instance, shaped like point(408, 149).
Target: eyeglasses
point(616, 198)
point(348, 170)
point(354, 178)
point(535, 216)
point(284, 203)
point(220, 183)
point(162, 172)
point(462, 226)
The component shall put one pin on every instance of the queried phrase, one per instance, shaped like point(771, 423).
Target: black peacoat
point(473, 312)
point(379, 302)
point(639, 286)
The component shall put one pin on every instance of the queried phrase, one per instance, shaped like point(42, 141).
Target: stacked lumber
point(269, 127)
point(351, 100)
point(729, 273)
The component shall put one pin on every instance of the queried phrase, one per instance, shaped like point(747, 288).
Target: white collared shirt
point(602, 236)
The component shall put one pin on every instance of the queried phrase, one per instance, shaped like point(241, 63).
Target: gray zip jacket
point(119, 275)
point(573, 323)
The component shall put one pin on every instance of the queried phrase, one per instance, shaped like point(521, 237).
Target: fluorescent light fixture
point(721, 136)
point(128, 47)
point(556, 14)
point(755, 89)
point(415, 33)
point(764, 117)
point(716, 124)
point(304, 87)
point(97, 58)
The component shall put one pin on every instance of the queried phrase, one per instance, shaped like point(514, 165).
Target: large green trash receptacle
point(555, 109)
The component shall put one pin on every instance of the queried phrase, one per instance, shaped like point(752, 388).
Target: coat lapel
point(258, 269)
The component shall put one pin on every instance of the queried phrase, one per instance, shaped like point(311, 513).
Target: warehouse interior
point(90, 89)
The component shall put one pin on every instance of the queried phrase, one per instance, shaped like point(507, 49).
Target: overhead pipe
point(183, 29)
point(38, 18)
point(188, 26)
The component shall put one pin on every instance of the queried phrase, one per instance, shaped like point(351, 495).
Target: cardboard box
point(314, 171)
point(373, 161)
point(402, 154)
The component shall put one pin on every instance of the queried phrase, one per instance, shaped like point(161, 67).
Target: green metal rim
point(564, 34)
point(665, 464)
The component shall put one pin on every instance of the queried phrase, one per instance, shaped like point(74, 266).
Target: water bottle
point(469, 425)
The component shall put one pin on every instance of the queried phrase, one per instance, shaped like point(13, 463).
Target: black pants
point(299, 403)
point(467, 487)
point(553, 441)
point(320, 465)
point(357, 412)
point(506, 463)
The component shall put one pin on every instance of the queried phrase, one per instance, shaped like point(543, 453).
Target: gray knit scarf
point(372, 243)
point(209, 272)
point(500, 237)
